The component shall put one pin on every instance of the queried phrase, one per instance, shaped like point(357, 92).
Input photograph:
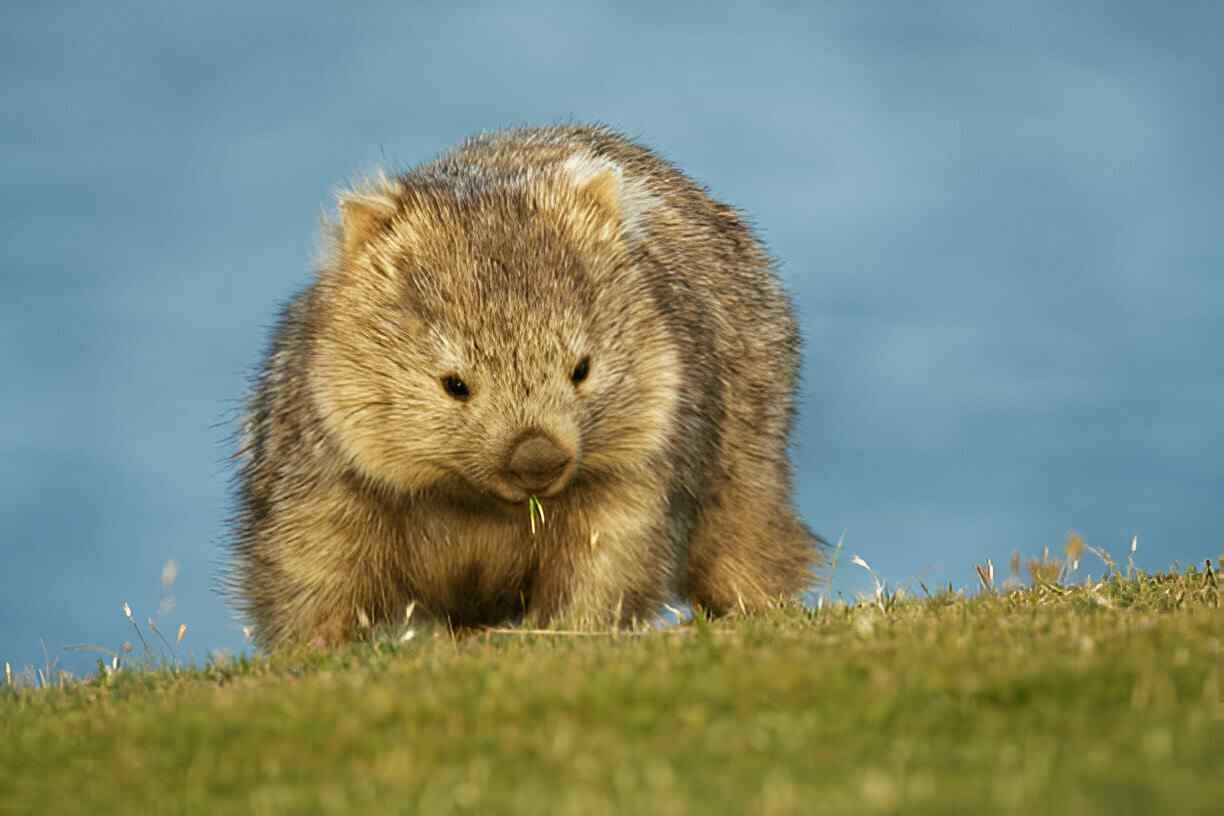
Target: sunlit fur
point(365, 486)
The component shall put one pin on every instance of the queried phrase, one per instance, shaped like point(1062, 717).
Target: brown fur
point(366, 486)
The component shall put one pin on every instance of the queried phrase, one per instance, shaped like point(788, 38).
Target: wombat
point(544, 377)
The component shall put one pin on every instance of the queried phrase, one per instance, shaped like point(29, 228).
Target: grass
point(1099, 697)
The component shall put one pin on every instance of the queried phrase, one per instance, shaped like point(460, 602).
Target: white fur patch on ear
point(583, 169)
point(627, 198)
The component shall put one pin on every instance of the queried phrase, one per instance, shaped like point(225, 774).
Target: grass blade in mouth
point(534, 508)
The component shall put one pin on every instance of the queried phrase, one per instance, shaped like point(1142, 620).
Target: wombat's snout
point(537, 463)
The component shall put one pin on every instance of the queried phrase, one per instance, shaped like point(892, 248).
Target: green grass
point(1102, 697)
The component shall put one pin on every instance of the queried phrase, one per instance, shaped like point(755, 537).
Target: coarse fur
point(431, 380)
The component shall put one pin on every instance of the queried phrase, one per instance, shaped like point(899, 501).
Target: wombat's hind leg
point(748, 554)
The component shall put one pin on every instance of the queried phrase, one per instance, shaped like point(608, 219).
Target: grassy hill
point(1103, 697)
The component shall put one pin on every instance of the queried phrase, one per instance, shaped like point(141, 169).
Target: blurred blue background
point(1001, 223)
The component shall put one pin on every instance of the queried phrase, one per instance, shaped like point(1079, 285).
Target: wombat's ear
point(363, 212)
point(604, 182)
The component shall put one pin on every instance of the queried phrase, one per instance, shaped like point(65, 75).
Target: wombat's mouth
point(516, 494)
point(507, 490)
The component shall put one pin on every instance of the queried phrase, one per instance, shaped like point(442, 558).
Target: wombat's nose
point(537, 462)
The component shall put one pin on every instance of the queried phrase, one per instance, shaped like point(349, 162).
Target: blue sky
point(1000, 222)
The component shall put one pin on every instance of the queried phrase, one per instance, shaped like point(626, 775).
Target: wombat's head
point(492, 334)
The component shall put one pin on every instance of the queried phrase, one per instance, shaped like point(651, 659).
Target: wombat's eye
point(581, 370)
point(456, 387)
